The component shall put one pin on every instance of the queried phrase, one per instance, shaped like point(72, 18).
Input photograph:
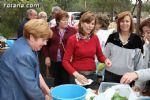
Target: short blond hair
point(38, 28)
point(41, 14)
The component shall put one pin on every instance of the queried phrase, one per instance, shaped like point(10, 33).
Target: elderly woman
point(42, 15)
point(55, 48)
point(20, 78)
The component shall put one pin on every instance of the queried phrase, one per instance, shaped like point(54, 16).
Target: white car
point(74, 18)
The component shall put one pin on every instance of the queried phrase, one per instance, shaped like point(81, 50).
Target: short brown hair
point(38, 28)
point(145, 22)
point(103, 21)
point(121, 17)
point(60, 15)
point(87, 17)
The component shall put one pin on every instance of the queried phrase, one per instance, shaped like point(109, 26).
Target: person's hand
point(108, 63)
point(80, 78)
point(48, 97)
point(47, 61)
point(136, 88)
point(128, 77)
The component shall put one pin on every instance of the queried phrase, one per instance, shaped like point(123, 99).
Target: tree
point(139, 7)
point(146, 6)
point(11, 17)
point(13, 11)
point(111, 6)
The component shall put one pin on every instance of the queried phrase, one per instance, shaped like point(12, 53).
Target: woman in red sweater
point(81, 48)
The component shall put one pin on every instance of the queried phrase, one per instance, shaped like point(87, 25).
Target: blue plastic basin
point(10, 42)
point(68, 92)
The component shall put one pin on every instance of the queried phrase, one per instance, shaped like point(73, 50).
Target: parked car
point(74, 18)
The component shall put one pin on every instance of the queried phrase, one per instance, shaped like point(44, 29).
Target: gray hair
point(29, 12)
point(56, 8)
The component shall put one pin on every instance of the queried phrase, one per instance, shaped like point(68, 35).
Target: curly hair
point(145, 22)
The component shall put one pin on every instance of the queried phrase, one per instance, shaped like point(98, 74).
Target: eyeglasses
point(44, 16)
point(64, 21)
point(146, 32)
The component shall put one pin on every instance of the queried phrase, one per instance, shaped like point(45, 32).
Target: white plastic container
point(105, 85)
point(107, 90)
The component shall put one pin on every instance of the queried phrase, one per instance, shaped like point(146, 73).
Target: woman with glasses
point(42, 15)
point(55, 48)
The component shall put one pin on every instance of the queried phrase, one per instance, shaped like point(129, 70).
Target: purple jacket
point(50, 50)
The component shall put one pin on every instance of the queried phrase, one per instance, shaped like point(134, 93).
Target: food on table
point(117, 96)
point(92, 97)
point(100, 66)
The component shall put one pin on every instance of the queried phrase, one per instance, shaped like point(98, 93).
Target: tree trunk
point(139, 7)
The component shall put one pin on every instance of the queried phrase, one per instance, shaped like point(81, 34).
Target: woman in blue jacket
point(20, 78)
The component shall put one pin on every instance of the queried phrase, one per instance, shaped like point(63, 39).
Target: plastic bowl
point(105, 85)
point(10, 42)
point(68, 92)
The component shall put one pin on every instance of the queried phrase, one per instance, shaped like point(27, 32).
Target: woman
point(124, 49)
point(142, 75)
point(55, 48)
point(102, 32)
point(19, 75)
point(42, 15)
point(79, 58)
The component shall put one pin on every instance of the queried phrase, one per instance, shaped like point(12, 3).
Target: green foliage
point(146, 6)
point(12, 13)
point(10, 18)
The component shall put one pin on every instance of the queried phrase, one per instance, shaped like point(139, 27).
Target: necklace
point(124, 41)
point(80, 36)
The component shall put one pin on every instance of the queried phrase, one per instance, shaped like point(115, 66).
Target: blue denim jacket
point(19, 73)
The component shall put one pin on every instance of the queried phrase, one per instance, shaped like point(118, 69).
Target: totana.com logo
point(13, 5)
